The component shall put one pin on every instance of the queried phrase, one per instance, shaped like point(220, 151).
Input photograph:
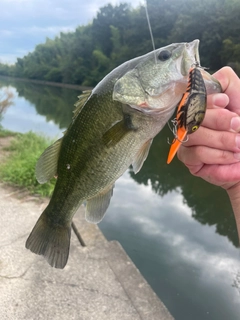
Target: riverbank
point(48, 83)
point(100, 282)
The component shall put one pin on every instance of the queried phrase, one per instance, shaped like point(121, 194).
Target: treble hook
point(174, 131)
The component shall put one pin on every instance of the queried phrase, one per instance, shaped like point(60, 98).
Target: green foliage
point(19, 169)
point(6, 133)
point(6, 70)
point(119, 33)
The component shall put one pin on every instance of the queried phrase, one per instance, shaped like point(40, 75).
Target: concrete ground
point(100, 282)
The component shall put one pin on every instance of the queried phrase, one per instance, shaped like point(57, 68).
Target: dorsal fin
point(82, 99)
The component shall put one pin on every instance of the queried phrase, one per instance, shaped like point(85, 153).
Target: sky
point(26, 23)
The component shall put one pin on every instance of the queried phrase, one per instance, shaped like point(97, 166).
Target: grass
point(19, 168)
point(6, 133)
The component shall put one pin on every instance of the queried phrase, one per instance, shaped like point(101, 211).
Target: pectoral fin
point(97, 206)
point(141, 156)
point(113, 135)
point(46, 167)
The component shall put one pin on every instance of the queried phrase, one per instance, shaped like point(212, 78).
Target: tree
point(119, 33)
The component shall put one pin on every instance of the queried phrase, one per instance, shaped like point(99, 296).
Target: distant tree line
point(119, 33)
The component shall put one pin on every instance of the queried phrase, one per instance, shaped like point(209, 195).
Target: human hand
point(213, 152)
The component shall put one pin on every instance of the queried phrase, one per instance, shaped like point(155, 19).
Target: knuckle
point(226, 140)
point(199, 151)
point(224, 155)
point(223, 119)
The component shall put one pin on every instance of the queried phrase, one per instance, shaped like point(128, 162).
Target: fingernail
point(238, 141)
point(219, 100)
point(235, 124)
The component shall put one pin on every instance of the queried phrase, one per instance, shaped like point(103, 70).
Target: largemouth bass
point(112, 128)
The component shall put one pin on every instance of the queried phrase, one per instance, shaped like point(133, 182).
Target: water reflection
point(32, 101)
point(6, 100)
point(190, 266)
point(209, 204)
point(178, 229)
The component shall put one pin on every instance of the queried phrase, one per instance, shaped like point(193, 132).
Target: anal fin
point(97, 206)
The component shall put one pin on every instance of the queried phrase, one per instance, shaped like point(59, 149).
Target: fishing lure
point(190, 111)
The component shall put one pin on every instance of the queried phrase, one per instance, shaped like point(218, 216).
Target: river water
point(178, 230)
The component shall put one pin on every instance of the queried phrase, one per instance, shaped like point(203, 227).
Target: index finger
point(230, 83)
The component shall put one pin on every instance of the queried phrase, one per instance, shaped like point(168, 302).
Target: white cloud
point(169, 220)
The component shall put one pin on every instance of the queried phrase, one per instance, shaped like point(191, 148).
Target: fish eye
point(164, 55)
point(194, 128)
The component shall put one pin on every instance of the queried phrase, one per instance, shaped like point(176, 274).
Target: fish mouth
point(211, 83)
point(190, 56)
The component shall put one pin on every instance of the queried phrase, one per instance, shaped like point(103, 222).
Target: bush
point(19, 169)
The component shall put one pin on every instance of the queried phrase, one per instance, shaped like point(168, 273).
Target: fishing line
point(173, 130)
point(150, 30)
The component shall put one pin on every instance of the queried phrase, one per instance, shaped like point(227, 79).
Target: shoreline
point(99, 282)
point(48, 83)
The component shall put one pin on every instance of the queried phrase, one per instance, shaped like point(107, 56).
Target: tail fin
point(51, 241)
